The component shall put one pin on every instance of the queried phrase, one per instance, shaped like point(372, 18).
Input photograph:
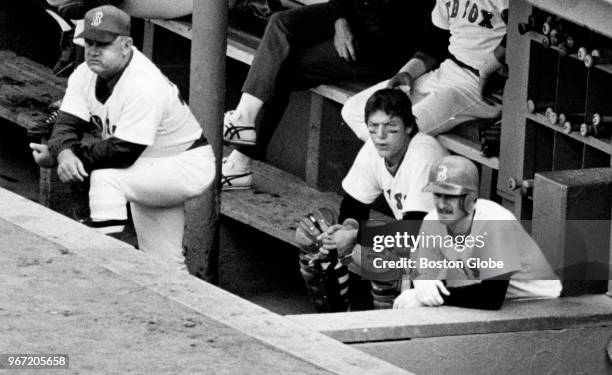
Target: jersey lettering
point(399, 197)
point(109, 130)
point(104, 127)
point(486, 19)
point(454, 10)
point(472, 13)
point(467, 4)
point(95, 119)
point(398, 200)
point(504, 16)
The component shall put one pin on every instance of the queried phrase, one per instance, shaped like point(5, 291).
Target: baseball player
point(152, 152)
point(500, 261)
point(354, 39)
point(395, 162)
point(459, 89)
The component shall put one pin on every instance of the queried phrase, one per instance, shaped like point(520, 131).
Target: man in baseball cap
point(480, 252)
point(103, 24)
point(151, 152)
point(454, 181)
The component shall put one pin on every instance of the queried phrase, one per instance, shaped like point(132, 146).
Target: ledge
point(216, 311)
point(421, 322)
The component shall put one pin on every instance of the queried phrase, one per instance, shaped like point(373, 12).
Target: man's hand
point(402, 81)
point(338, 237)
point(344, 41)
point(41, 155)
point(406, 300)
point(487, 82)
point(429, 292)
point(70, 168)
point(486, 88)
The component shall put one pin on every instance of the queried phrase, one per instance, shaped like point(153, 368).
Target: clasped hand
point(338, 237)
point(70, 168)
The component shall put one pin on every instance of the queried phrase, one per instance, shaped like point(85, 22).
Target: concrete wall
point(565, 351)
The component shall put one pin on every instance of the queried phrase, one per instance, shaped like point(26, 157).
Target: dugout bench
point(273, 206)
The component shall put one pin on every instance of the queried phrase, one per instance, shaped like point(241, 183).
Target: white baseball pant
point(157, 189)
point(441, 100)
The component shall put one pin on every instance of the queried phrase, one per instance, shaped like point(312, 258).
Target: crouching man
point(473, 252)
point(152, 152)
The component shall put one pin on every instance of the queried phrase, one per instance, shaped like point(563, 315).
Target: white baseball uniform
point(369, 177)
point(500, 237)
point(145, 108)
point(449, 95)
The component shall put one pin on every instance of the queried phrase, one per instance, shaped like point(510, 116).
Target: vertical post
point(206, 98)
point(148, 39)
point(609, 293)
point(314, 139)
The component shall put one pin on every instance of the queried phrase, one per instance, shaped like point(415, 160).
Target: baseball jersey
point(497, 236)
point(369, 177)
point(476, 27)
point(144, 108)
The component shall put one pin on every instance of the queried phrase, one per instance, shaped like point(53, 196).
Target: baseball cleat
point(235, 132)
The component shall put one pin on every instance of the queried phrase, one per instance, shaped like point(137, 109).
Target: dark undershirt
point(109, 153)
point(487, 295)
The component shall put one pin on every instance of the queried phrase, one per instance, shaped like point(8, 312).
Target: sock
point(249, 107)
point(107, 226)
point(241, 162)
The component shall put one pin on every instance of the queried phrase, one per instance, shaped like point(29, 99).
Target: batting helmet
point(453, 175)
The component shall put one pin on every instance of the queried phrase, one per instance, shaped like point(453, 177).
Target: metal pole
point(206, 98)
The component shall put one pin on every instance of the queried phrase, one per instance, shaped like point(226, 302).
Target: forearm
point(486, 295)
point(416, 67)
point(434, 49)
point(67, 131)
point(109, 153)
point(354, 209)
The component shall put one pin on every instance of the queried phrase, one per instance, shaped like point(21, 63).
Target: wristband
point(350, 222)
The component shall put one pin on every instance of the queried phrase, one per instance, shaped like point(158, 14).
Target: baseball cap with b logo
point(105, 23)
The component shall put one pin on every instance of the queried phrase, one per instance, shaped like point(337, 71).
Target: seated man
point(489, 256)
point(458, 90)
point(152, 153)
point(395, 162)
point(315, 44)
